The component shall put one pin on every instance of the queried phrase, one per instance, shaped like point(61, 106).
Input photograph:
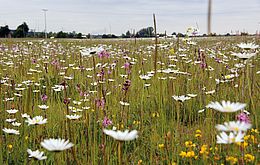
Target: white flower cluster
point(233, 131)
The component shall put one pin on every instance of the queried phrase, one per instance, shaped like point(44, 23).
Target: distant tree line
point(23, 31)
point(20, 32)
point(143, 33)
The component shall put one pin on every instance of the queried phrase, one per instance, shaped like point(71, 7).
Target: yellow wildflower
point(242, 144)
point(254, 131)
point(198, 131)
point(10, 146)
point(197, 135)
point(172, 51)
point(140, 162)
point(120, 126)
point(246, 137)
point(161, 146)
point(155, 114)
point(231, 159)
point(228, 77)
point(215, 149)
point(203, 149)
point(183, 154)
point(189, 144)
point(253, 138)
point(136, 122)
point(249, 137)
point(249, 158)
point(190, 154)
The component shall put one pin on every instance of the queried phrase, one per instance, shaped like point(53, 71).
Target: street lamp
point(45, 26)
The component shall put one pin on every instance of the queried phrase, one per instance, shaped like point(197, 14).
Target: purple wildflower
point(100, 103)
point(243, 117)
point(127, 65)
point(126, 85)
point(55, 62)
point(217, 60)
point(203, 65)
point(106, 122)
point(34, 61)
point(103, 54)
point(66, 101)
point(44, 97)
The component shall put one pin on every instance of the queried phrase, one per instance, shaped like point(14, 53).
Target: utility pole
point(45, 26)
point(209, 17)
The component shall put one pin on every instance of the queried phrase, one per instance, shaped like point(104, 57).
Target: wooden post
point(209, 17)
point(156, 42)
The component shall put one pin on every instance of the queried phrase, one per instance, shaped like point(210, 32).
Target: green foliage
point(4, 31)
point(21, 31)
point(61, 34)
point(146, 32)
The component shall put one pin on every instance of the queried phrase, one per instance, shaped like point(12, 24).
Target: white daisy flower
point(147, 85)
point(16, 124)
point(11, 131)
point(145, 77)
point(234, 126)
point(76, 102)
point(56, 144)
point(201, 110)
point(181, 98)
point(73, 117)
point(37, 120)
point(9, 99)
point(248, 46)
point(124, 103)
point(25, 115)
point(19, 89)
point(12, 111)
point(244, 55)
point(85, 108)
point(68, 77)
point(210, 92)
point(43, 107)
point(36, 154)
point(10, 120)
point(224, 138)
point(18, 94)
point(191, 95)
point(226, 106)
point(122, 136)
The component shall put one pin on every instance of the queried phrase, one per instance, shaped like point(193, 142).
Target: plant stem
point(119, 153)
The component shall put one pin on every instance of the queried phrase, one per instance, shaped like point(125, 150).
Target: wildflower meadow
point(189, 100)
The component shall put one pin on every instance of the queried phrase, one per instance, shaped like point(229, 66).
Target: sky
point(118, 16)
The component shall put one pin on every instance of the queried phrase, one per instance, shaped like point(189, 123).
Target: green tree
point(61, 34)
point(21, 31)
point(128, 34)
point(146, 32)
point(79, 35)
point(4, 31)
